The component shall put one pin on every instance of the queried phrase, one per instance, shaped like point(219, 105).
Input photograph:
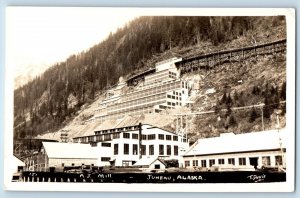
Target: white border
point(287, 186)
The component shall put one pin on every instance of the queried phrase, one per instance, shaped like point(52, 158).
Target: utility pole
point(262, 116)
point(280, 141)
point(140, 140)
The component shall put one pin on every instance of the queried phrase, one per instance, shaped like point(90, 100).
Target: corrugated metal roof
point(230, 143)
point(151, 119)
point(70, 150)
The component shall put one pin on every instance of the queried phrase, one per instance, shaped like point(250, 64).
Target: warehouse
point(256, 149)
point(60, 155)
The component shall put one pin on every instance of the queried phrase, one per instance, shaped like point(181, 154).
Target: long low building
point(257, 149)
point(60, 155)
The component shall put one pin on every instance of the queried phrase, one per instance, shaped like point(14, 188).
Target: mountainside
point(66, 94)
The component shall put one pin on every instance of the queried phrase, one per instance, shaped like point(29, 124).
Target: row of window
point(242, 161)
point(129, 128)
point(138, 101)
point(155, 90)
point(151, 148)
point(150, 136)
point(266, 161)
point(173, 97)
point(174, 104)
point(135, 108)
point(110, 136)
point(172, 75)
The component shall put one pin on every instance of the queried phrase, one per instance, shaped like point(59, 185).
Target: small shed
point(151, 163)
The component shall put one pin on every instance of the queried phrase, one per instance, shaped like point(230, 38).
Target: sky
point(36, 38)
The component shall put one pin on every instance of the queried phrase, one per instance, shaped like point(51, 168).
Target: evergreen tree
point(232, 121)
point(224, 98)
point(283, 91)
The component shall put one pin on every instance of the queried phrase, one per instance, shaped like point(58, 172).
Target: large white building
point(158, 90)
point(257, 149)
point(125, 145)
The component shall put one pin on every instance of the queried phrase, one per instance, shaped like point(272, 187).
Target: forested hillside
point(52, 99)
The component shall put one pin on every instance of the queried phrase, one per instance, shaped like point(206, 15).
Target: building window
point(168, 137)
point(195, 162)
point(116, 135)
point(161, 149)
point(116, 149)
point(135, 149)
point(107, 137)
point(126, 149)
point(125, 163)
point(144, 137)
point(169, 150)
point(73, 164)
point(203, 163)
point(176, 150)
point(126, 135)
point(168, 96)
point(151, 137)
point(105, 159)
point(105, 144)
point(231, 161)
point(221, 161)
point(93, 144)
point(157, 166)
point(63, 164)
point(175, 138)
point(143, 149)
point(266, 161)
point(211, 162)
point(242, 161)
point(135, 136)
point(187, 163)
point(278, 160)
point(151, 149)
point(161, 136)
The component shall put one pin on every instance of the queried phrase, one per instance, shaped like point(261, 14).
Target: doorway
point(254, 161)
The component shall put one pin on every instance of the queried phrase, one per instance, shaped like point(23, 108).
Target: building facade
point(157, 91)
point(124, 146)
point(257, 149)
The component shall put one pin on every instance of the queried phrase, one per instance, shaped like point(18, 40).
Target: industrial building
point(257, 149)
point(158, 90)
point(60, 155)
point(127, 144)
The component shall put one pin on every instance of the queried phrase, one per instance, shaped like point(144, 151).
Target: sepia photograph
point(149, 99)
